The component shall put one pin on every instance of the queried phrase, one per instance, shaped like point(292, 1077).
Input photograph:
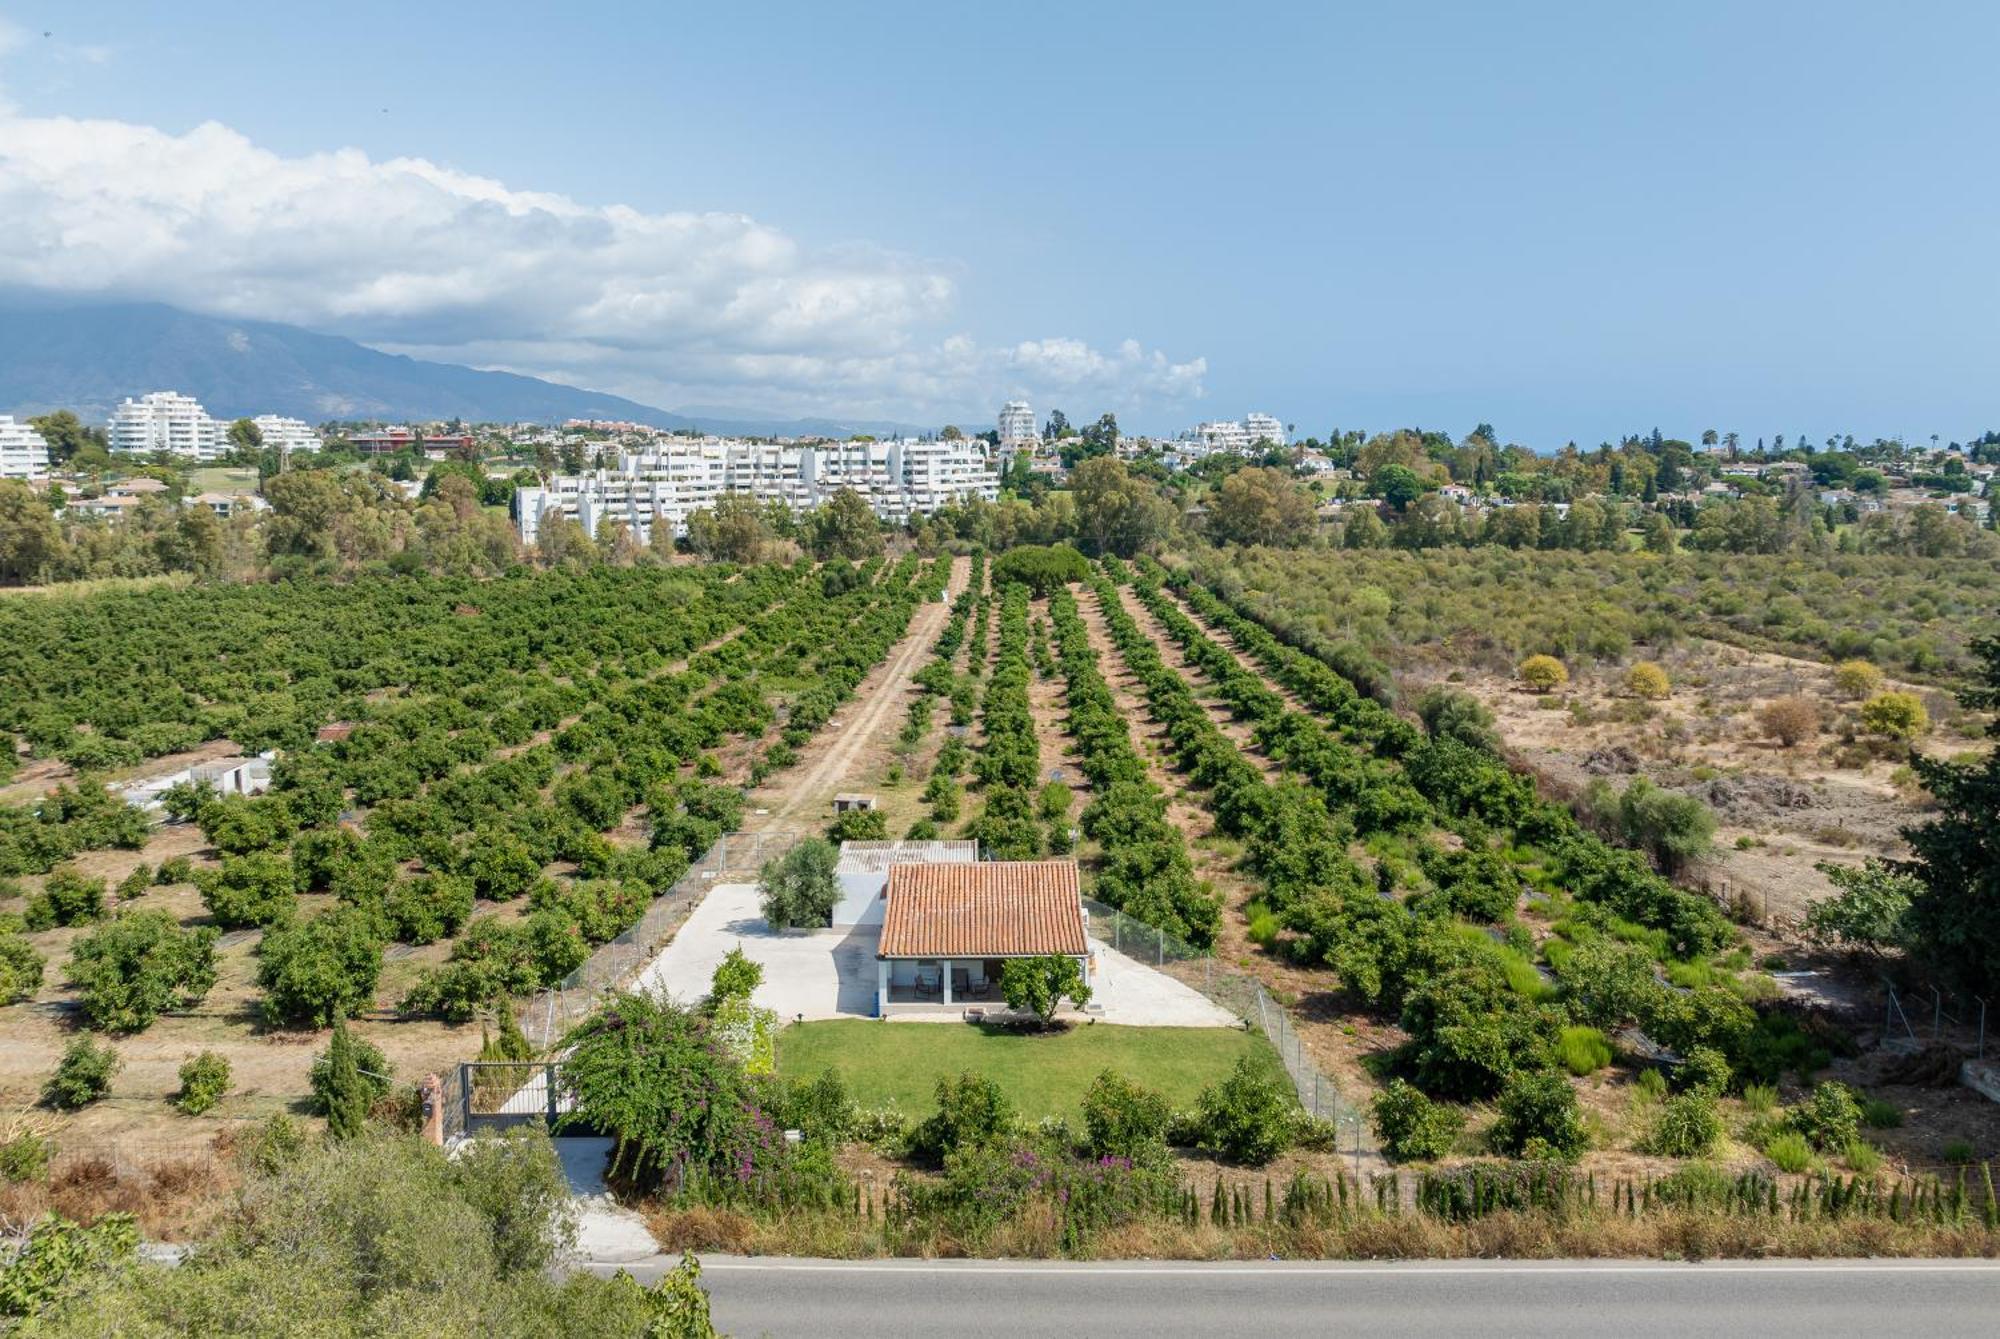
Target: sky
point(1571, 221)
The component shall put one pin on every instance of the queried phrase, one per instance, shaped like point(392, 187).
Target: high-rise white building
point(168, 421)
point(667, 483)
point(24, 453)
point(1263, 428)
point(1017, 424)
point(286, 435)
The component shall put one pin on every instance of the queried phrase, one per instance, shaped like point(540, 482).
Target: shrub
point(20, 968)
point(140, 965)
point(1869, 910)
point(1123, 1119)
point(425, 909)
point(1704, 1070)
point(799, 889)
point(1789, 720)
point(1789, 1150)
point(320, 970)
point(971, 1111)
point(1830, 1118)
point(67, 898)
point(1411, 1126)
point(1863, 1157)
point(859, 825)
point(1856, 679)
point(135, 883)
point(1543, 674)
point(1647, 680)
point(25, 1157)
point(735, 977)
point(1248, 1118)
point(1539, 1117)
point(174, 869)
point(1959, 1152)
point(1689, 1125)
point(821, 1108)
point(922, 830)
point(82, 1075)
point(204, 1079)
point(1583, 1050)
point(1760, 1098)
point(1895, 715)
point(1877, 1114)
point(248, 890)
point(376, 1074)
point(1039, 985)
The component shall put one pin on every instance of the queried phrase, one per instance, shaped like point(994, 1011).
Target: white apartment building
point(286, 435)
point(1229, 435)
point(1017, 424)
point(168, 421)
point(1263, 428)
point(669, 482)
point(24, 453)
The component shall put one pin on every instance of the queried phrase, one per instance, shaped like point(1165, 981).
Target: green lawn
point(222, 479)
point(900, 1063)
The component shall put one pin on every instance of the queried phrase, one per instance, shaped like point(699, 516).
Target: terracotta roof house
point(947, 928)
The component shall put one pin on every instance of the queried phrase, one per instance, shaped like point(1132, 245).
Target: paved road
point(1548, 1300)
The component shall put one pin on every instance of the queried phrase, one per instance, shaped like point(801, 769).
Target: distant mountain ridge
point(88, 358)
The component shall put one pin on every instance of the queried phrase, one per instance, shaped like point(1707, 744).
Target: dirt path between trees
point(839, 751)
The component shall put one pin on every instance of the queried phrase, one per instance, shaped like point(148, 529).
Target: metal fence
point(1243, 995)
point(735, 856)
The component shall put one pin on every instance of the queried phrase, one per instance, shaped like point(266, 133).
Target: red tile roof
point(994, 909)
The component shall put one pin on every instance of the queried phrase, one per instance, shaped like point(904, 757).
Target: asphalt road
point(1548, 1300)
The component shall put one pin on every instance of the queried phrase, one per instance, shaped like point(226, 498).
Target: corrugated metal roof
point(876, 857)
point(996, 909)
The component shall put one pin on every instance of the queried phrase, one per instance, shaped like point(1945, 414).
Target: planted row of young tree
point(1010, 825)
point(1143, 867)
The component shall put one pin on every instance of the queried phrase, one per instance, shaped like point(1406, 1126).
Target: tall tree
point(1954, 919)
point(1116, 511)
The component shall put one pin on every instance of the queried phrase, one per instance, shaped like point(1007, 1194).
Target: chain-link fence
point(1244, 996)
point(735, 856)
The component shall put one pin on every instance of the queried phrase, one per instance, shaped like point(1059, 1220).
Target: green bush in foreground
point(1583, 1050)
point(1688, 1127)
point(1412, 1127)
point(1248, 1117)
point(1539, 1118)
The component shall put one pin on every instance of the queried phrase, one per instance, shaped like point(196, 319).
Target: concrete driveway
point(831, 973)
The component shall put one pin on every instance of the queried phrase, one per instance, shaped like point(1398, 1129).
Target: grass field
point(222, 479)
point(900, 1063)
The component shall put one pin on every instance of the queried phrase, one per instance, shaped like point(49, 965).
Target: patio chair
point(961, 983)
point(978, 987)
point(929, 983)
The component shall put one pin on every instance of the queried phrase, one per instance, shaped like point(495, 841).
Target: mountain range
point(88, 358)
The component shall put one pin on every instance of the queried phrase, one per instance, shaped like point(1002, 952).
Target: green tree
point(82, 1076)
point(1539, 1117)
point(138, 966)
point(1870, 909)
point(1039, 985)
point(1262, 506)
point(30, 540)
point(1954, 917)
point(1397, 485)
point(321, 970)
point(1117, 512)
point(734, 530)
point(65, 434)
point(844, 526)
point(798, 889)
point(347, 1099)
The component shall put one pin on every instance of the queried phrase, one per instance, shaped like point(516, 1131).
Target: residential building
point(1017, 424)
point(1263, 429)
point(226, 505)
point(948, 929)
point(24, 453)
point(171, 422)
point(389, 441)
point(1222, 435)
point(675, 478)
point(286, 435)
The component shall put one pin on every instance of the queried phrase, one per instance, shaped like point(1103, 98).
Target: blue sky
point(1572, 221)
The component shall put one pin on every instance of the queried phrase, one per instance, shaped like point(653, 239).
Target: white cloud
point(407, 254)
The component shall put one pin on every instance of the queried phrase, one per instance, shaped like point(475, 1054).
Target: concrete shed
point(863, 873)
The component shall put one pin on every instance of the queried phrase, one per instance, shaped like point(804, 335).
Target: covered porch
point(931, 985)
point(948, 930)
